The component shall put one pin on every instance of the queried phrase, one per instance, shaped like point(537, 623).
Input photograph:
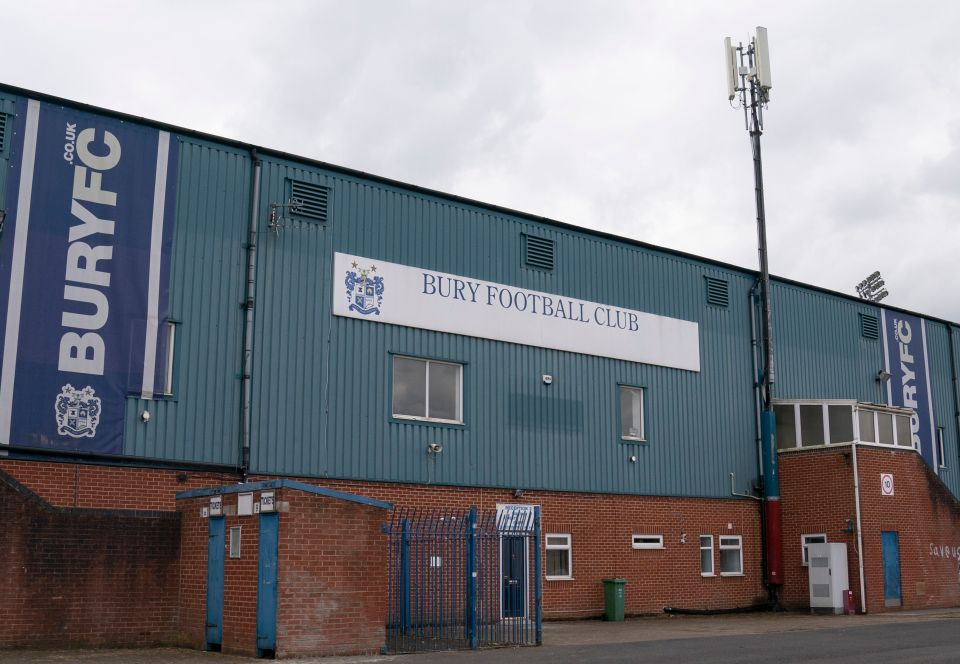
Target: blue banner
point(905, 351)
point(84, 257)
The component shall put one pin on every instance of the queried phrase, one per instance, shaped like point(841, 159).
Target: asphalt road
point(893, 638)
point(900, 643)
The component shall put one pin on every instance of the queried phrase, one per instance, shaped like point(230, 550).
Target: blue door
point(214, 625)
point(513, 563)
point(267, 586)
point(890, 541)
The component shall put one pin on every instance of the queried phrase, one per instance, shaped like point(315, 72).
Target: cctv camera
point(434, 448)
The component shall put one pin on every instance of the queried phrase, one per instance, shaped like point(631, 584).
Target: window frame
point(713, 569)
point(568, 547)
point(804, 543)
point(658, 544)
point(399, 417)
point(728, 547)
point(642, 438)
point(941, 455)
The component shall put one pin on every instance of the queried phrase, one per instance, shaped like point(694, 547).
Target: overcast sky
point(609, 115)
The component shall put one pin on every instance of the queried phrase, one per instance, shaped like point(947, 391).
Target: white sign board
point(886, 484)
point(515, 517)
point(374, 290)
point(216, 505)
point(266, 501)
point(244, 504)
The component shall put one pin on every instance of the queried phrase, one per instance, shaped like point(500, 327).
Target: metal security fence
point(464, 579)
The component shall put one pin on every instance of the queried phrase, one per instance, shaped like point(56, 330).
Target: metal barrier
point(463, 579)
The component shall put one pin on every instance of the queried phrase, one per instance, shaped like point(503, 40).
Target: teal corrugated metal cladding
point(322, 384)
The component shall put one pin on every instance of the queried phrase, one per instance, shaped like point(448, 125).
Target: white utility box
point(828, 577)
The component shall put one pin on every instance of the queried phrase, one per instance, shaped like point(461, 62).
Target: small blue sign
point(84, 259)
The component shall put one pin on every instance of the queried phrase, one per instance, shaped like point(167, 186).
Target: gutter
point(856, 496)
point(247, 305)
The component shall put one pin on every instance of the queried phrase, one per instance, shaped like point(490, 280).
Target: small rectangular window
point(559, 564)
point(427, 390)
point(819, 538)
point(941, 457)
point(648, 541)
point(885, 428)
point(168, 361)
point(731, 555)
point(867, 427)
point(786, 426)
point(841, 423)
point(811, 425)
point(706, 555)
point(235, 541)
point(631, 413)
point(903, 430)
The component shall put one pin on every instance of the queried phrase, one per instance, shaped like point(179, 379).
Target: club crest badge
point(364, 290)
point(78, 412)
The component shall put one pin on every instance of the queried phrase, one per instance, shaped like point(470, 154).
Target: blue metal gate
point(267, 585)
point(890, 548)
point(463, 579)
point(214, 615)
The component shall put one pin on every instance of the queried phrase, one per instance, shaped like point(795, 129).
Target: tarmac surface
point(595, 640)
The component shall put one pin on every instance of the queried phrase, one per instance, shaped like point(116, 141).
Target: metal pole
point(251, 291)
point(772, 518)
point(471, 617)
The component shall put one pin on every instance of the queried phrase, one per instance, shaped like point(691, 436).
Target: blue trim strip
point(285, 484)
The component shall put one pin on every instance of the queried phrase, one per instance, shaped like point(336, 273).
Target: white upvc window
point(647, 541)
point(731, 555)
point(631, 413)
point(805, 540)
point(706, 555)
point(168, 360)
point(559, 556)
point(427, 390)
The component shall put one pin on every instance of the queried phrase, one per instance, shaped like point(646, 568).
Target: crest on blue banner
point(78, 412)
point(364, 290)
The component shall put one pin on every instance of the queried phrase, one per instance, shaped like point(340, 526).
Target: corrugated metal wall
point(202, 421)
point(323, 383)
point(322, 396)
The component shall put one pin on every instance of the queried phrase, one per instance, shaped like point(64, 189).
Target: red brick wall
point(331, 587)
point(601, 528)
point(925, 514)
point(109, 487)
point(332, 577)
point(239, 625)
point(816, 494)
point(85, 577)
point(818, 497)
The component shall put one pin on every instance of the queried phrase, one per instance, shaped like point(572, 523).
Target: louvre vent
point(869, 327)
point(538, 252)
point(718, 292)
point(312, 197)
point(3, 132)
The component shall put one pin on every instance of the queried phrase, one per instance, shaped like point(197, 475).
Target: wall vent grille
point(3, 132)
point(869, 327)
point(718, 292)
point(539, 252)
point(313, 199)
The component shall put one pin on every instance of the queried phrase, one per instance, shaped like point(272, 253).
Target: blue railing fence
point(461, 579)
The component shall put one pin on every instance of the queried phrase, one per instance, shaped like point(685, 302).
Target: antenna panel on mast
point(730, 53)
point(762, 59)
